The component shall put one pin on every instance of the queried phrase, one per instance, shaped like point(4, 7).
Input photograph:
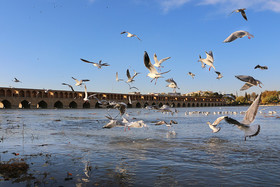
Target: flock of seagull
point(155, 73)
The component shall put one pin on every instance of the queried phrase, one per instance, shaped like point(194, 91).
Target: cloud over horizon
point(258, 5)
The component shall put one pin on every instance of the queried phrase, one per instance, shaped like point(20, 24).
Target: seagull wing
point(218, 120)
point(75, 79)
point(218, 73)
point(105, 64)
point(164, 59)
point(232, 121)
point(137, 37)
point(163, 72)
point(231, 38)
point(128, 74)
point(148, 63)
point(246, 86)
point(123, 32)
point(257, 66)
point(86, 94)
point(87, 61)
point(156, 60)
point(69, 86)
point(170, 80)
point(252, 111)
point(243, 14)
point(244, 78)
point(209, 56)
point(85, 80)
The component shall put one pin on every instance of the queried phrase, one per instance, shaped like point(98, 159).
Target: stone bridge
point(13, 98)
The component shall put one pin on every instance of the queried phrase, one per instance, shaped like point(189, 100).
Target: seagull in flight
point(238, 34)
point(69, 86)
point(158, 63)
point(129, 78)
point(86, 98)
point(219, 75)
point(250, 81)
point(153, 72)
point(117, 77)
point(215, 123)
point(249, 117)
point(16, 80)
point(261, 67)
point(80, 82)
point(242, 11)
point(191, 74)
point(172, 84)
point(98, 65)
point(209, 60)
point(130, 35)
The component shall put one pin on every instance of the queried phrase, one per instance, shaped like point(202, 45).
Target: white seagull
point(79, 82)
point(86, 98)
point(261, 67)
point(209, 60)
point(219, 75)
point(249, 117)
point(98, 65)
point(130, 35)
point(215, 123)
point(158, 63)
point(242, 11)
point(113, 123)
point(69, 86)
point(129, 78)
point(191, 74)
point(172, 84)
point(16, 80)
point(250, 81)
point(153, 72)
point(117, 77)
point(238, 34)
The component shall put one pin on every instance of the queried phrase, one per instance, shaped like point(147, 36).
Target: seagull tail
point(253, 130)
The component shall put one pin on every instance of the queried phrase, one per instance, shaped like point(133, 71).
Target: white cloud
point(171, 4)
point(258, 5)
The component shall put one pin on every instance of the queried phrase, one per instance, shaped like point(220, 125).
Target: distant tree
point(270, 97)
point(253, 96)
point(241, 100)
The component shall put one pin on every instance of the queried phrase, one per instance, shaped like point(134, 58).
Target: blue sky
point(42, 41)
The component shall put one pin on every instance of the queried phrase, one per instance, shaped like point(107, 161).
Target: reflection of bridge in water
point(38, 98)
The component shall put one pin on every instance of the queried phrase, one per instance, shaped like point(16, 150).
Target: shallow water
point(70, 148)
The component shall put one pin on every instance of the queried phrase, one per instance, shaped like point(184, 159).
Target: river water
point(70, 148)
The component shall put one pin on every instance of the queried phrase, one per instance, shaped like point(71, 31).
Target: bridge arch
point(86, 105)
point(73, 104)
point(138, 105)
point(178, 105)
point(6, 104)
point(146, 104)
point(58, 104)
point(24, 104)
point(42, 104)
point(129, 105)
point(160, 105)
point(97, 105)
